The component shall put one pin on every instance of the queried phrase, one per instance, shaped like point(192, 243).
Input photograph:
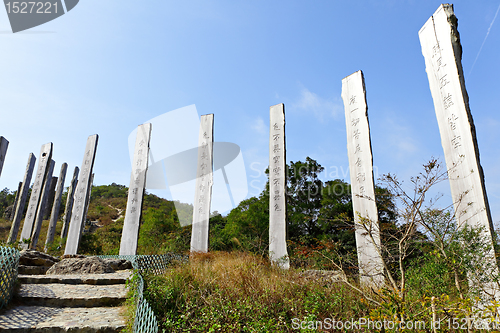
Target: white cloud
point(395, 141)
point(321, 108)
point(259, 126)
point(407, 145)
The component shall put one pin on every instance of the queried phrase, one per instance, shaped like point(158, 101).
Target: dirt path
point(120, 213)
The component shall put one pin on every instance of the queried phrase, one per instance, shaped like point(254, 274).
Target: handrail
point(145, 320)
point(9, 263)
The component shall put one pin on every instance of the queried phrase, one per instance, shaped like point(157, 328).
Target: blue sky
point(108, 66)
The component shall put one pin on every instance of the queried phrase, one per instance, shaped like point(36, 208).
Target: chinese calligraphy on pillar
point(80, 197)
point(362, 186)
point(87, 202)
point(14, 229)
point(41, 207)
point(41, 174)
point(130, 233)
point(441, 48)
point(10, 217)
point(54, 216)
point(204, 181)
point(69, 204)
point(277, 186)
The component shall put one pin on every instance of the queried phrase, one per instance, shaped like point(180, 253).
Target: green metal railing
point(9, 262)
point(145, 319)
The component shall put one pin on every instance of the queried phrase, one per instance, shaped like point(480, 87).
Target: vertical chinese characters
point(447, 97)
point(276, 169)
point(362, 187)
point(203, 188)
point(356, 136)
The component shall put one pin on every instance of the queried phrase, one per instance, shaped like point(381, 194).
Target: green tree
point(109, 191)
point(336, 215)
point(304, 196)
point(217, 241)
point(247, 225)
point(317, 212)
point(6, 199)
point(157, 227)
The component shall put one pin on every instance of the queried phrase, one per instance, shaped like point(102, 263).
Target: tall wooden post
point(359, 149)
point(204, 181)
point(442, 51)
point(54, 216)
point(277, 188)
point(19, 209)
point(36, 193)
point(77, 215)
point(130, 233)
point(69, 204)
point(41, 207)
point(4, 144)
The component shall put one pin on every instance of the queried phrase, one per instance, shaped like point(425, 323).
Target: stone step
point(23, 318)
point(71, 295)
point(119, 277)
point(32, 270)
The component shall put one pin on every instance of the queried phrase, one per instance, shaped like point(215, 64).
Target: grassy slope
point(107, 210)
point(241, 292)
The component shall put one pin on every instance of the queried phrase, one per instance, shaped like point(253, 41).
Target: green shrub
point(241, 292)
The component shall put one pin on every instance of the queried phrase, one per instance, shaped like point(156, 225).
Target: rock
point(35, 258)
point(322, 275)
point(118, 264)
point(32, 270)
point(87, 265)
point(65, 256)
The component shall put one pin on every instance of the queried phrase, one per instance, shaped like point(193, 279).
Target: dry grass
point(228, 292)
point(5, 226)
point(4, 229)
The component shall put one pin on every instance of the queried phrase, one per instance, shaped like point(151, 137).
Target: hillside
point(432, 270)
point(160, 231)
point(320, 221)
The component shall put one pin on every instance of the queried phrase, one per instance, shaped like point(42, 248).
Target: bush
point(242, 292)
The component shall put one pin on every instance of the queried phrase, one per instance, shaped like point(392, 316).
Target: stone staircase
point(67, 303)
